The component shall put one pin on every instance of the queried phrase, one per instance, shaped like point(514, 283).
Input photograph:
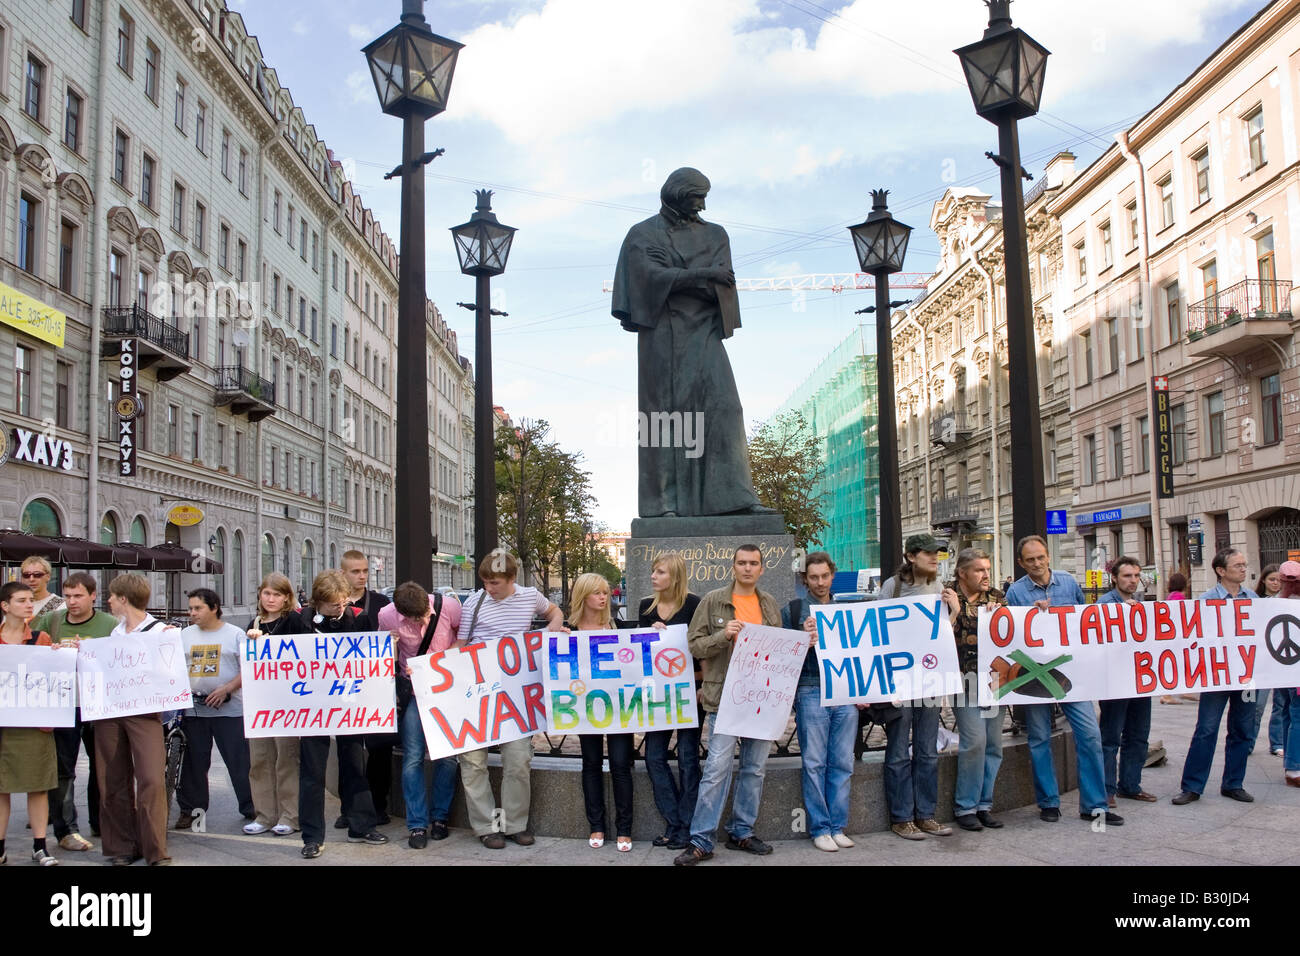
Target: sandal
point(596, 842)
point(624, 844)
point(661, 841)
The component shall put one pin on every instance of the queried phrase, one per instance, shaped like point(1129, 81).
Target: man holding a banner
point(502, 609)
point(979, 729)
point(1230, 567)
point(1042, 587)
point(1125, 724)
point(717, 621)
point(826, 734)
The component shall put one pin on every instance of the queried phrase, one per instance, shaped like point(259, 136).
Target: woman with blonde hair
point(589, 611)
point(273, 761)
point(672, 603)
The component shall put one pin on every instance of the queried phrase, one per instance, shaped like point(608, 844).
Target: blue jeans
point(1241, 716)
point(979, 755)
point(1087, 752)
point(414, 792)
point(1125, 730)
point(676, 803)
point(716, 781)
point(1279, 720)
point(826, 736)
point(912, 782)
point(1291, 741)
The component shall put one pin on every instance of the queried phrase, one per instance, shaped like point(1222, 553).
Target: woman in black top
point(671, 604)
point(329, 613)
point(589, 611)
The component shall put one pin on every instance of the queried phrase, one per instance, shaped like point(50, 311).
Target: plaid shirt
point(965, 626)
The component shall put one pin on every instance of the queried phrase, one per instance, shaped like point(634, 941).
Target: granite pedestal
point(708, 545)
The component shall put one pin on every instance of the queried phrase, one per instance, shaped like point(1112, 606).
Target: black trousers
point(379, 768)
point(593, 781)
point(354, 793)
point(63, 804)
point(200, 732)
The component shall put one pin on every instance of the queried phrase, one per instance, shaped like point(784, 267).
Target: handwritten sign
point(1118, 651)
point(140, 673)
point(317, 685)
point(619, 682)
point(882, 651)
point(485, 693)
point(37, 686)
point(761, 681)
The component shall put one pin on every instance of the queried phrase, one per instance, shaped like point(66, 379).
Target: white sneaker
point(41, 858)
point(254, 828)
point(282, 829)
point(842, 841)
point(824, 842)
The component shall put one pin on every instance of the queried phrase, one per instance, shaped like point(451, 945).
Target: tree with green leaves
point(785, 458)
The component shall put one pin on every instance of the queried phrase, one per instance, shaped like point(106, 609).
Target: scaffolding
point(838, 401)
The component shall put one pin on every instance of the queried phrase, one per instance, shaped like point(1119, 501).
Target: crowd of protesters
point(280, 782)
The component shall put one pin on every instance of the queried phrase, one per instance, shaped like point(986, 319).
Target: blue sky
point(575, 111)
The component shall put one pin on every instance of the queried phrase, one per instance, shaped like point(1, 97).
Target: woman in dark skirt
point(671, 604)
point(27, 758)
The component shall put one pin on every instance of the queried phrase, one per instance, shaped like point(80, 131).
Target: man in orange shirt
point(717, 621)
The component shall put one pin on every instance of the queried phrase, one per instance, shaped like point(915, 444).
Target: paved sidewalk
point(1215, 830)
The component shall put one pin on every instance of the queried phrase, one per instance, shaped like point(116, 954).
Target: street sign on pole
point(1056, 522)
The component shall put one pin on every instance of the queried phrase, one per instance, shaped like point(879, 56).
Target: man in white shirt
point(212, 650)
point(501, 608)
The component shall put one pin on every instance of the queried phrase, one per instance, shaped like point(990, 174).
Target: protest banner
point(485, 693)
point(619, 682)
point(761, 681)
point(139, 673)
point(1117, 651)
point(37, 686)
point(881, 651)
point(316, 685)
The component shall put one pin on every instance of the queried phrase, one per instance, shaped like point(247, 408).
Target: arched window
point(40, 518)
point(237, 568)
point(268, 555)
point(108, 529)
point(138, 531)
point(219, 555)
point(286, 557)
point(334, 555)
point(308, 563)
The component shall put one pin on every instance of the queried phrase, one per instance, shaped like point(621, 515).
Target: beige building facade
point(159, 187)
point(951, 375)
point(1179, 255)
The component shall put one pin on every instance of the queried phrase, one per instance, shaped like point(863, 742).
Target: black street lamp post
point(483, 246)
point(412, 69)
point(881, 244)
point(1005, 73)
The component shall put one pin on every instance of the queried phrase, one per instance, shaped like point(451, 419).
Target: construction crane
point(819, 281)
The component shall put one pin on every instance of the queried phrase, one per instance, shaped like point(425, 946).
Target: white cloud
point(579, 65)
point(300, 27)
point(359, 86)
point(363, 33)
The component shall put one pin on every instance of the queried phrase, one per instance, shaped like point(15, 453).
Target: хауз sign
point(39, 448)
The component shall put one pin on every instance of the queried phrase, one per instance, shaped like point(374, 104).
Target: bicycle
point(174, 742)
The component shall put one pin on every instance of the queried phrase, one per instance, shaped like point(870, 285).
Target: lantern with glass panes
point(881, 240)
point(412, 67)
point(1005, 68)
point(483, 244)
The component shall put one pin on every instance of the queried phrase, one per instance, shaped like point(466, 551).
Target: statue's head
point(684, 191)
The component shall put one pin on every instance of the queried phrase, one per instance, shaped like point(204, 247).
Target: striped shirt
point(513, 614)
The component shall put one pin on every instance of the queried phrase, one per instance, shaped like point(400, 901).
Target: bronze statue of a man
point(675, 288)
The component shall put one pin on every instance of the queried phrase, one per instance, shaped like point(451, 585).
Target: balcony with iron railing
point(954, 509)
point(160, 344)
point(949, 428)
point(1242, 317)
point(246, 392)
